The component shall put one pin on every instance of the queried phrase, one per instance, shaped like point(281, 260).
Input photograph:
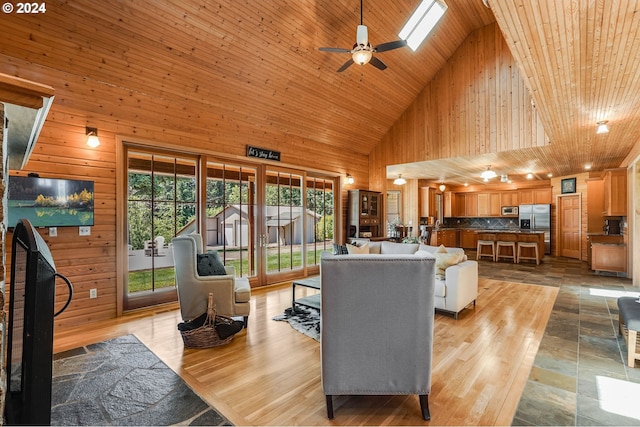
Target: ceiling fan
point(362, 51)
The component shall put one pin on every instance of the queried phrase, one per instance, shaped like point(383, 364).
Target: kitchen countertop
point(477, 230)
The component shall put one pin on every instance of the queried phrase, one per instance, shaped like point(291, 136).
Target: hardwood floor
point(270, 374)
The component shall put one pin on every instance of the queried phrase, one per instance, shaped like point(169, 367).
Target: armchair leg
point(424, 406)
point(329, 406)
point(246, 321)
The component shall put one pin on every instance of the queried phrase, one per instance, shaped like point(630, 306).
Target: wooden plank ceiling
point(229, 65)
point(581, 60)
point(255, 66)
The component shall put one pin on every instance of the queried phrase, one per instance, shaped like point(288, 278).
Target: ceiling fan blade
point(345, 65)
point(377, 63)
point(334, 49)
point(390, 45)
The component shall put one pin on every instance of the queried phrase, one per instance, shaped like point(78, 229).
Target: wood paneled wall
point(477, 104)
point(61, 152)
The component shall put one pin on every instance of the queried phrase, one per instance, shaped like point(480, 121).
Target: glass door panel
point(284, 220)
point(320, 206)
point(161, 203)
point(231, 215)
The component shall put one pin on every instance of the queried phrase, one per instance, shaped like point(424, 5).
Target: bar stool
point(506, 241)
point(533, 245)
point(486, 240)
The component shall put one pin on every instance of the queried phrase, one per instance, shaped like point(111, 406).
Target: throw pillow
point(353, 249)
point(441, 250)
point(339, 249)
point(209, 264)
point(444, 261)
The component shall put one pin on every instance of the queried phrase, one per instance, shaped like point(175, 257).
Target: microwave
point(509, 210)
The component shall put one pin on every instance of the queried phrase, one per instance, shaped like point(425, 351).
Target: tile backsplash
point(510, 223)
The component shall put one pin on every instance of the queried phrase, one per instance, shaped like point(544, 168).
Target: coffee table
point(309, 301)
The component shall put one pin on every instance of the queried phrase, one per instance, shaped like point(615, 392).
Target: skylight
point(420, 24)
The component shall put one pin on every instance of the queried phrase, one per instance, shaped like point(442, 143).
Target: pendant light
point(399, 180)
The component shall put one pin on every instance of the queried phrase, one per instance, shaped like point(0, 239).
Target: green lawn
point(164, 277)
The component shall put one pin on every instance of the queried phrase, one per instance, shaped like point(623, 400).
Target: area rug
point(121, 382)
point(305, 320)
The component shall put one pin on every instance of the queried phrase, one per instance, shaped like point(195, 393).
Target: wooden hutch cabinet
point(365, 214)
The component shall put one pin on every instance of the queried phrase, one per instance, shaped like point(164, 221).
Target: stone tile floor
point(579, 376)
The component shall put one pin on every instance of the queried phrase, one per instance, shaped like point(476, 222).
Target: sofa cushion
point(446, 260)
point(242, 289)
point(374, 247)
point(209, 264)
point(440, 288)
point(398, 248)
point(353, 249)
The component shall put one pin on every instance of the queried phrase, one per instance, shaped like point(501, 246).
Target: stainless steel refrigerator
point(537, 218)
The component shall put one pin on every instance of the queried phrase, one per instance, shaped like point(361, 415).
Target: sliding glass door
point(271, 224)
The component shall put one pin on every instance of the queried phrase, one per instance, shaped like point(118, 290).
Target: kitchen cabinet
point(365, 214)
point(448, 204)
point(595, 205)
point(483, 204)
point(489, 204)
point(530, 196)
point(509, 198)
point(609, 257)
point(495, 208)
point(615, 192)
point(471, 204)
point(428, 202)
point(604, 239)
point(468, 239)
point(459, 204)
point(448, 238)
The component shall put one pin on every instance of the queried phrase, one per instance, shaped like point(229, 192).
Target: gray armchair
point(377, 315)
point(231, 294)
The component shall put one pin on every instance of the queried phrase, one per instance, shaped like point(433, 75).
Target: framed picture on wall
point(568, 185)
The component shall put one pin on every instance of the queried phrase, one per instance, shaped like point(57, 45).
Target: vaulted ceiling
point(581, 60)
point(256, 65)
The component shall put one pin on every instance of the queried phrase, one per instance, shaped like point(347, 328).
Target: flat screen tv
point(49, 202)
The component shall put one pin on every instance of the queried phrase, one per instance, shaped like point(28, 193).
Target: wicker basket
point(206, 335)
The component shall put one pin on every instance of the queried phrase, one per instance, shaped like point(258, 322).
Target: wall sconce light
point(92, 137)
point(399, 180)
point(349, 179)
point(529, 175)
point(602, 127)
point(504, 178)
point(442, 187)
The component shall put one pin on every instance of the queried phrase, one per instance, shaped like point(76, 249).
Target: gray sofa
point(455, 291)
point(377, 325)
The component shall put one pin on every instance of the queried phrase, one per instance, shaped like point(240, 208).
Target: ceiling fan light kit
point(362, 51)
point(423, 20)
